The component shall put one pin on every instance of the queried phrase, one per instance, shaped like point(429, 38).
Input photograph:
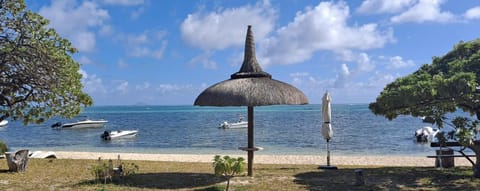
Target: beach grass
point(75, 174)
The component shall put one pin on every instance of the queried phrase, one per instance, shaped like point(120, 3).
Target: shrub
point(228, 167)
point(104, 171)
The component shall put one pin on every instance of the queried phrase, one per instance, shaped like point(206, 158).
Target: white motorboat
point(81, 124)
point(3, 123)
point(237, 125)
point(109, 135)
point(425, 134)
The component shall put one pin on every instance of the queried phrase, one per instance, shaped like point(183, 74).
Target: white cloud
point(124, 2)
point(227, 27)
point(137, 13)
point(158, 54)
point(106, 30)
point(363, 60)
point(297, 78)
point(204, 60)
point(398, 62)
point(122, 87)
point(76, 22)
point(121, 64)
point(173, 88)
point(137, 39)
point(473, 13)
point(384, 6)
point(343, 77)
point(144, 86)
point(364, 63)
point(92, 84)
point(147, 44)
point(323, 27)
point(83, 60)
point(424, 11)
point(380, 80)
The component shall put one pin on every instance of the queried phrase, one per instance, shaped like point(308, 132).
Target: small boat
point(109, 135)
point(237, 125)
point(3, 123)
point(81, 124)
point(425, 134)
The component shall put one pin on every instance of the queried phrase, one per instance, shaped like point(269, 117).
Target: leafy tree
point(228, 167)
point(448, 84)
point(38, 77)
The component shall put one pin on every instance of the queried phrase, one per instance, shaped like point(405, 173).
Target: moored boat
point(81, 124)
point(3, 123)
point(237, 125)
point(109, 135)
point(425, 134)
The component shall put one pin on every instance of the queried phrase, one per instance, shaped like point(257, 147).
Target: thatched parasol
point(250, 86)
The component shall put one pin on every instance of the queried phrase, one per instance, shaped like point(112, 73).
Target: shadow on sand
point(167, 180)
point(390, 178)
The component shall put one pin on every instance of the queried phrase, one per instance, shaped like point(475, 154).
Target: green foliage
point(106, 170)
point(101, 170)
point(228, 167)
point(449, 83)
point(38, 77)
point(128, 168)
point(3, 147)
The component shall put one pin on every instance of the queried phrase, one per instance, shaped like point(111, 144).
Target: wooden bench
point(445, 155)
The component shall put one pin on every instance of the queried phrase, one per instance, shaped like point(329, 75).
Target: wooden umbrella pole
point(328, 152)
point(250, 141)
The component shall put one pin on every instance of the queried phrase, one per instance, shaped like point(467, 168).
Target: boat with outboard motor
point(109, 135)
point(237, 125)
point(87, 123)
point(425, 134)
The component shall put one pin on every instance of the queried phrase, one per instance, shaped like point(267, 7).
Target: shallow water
point(193, 129)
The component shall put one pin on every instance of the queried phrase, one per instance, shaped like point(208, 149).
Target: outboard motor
point(56, 125)
point(425, 134)
point(106, 136)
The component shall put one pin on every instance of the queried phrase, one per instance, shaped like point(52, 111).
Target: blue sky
point(167, 52)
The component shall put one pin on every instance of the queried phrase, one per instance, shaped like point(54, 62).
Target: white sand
point(270, 159)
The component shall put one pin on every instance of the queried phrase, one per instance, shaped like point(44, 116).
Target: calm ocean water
point(193, 129)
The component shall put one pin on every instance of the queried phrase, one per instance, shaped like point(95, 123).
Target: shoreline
point(370, 160)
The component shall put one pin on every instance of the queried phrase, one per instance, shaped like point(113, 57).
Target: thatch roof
point(250, 86)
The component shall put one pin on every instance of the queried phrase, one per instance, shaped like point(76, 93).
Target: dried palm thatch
point(250, 92)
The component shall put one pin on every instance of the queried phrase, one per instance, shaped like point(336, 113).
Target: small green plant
point(128, 169)
point(104, 171)
point(228, 167)
point(3, 147)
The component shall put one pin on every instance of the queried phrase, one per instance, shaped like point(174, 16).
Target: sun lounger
point(42, 154)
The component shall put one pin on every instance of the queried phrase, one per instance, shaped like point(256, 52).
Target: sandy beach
point(270, 159)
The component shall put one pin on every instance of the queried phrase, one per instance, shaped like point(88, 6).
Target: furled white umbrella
point(327, 131)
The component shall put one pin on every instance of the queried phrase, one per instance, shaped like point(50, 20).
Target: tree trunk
point(476, 168)
point(228, 183)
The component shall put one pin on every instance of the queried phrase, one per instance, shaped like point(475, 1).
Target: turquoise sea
point(193, 129)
